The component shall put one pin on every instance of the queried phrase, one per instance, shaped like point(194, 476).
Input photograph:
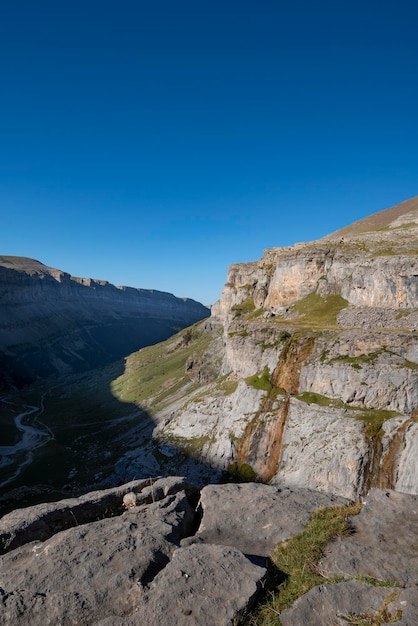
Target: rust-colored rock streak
point(273, 440)
point(386, 478)
point(287, 373)
point(380, 469)
point(261, 445)
point(244, 444)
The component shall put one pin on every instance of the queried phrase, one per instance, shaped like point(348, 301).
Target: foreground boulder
point(171, 555)
point(255, 517)
point(382, 550)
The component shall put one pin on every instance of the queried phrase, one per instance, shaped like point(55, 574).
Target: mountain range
point(52, 323)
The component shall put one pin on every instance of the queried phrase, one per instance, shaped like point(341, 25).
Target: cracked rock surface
point(383, 548)
point(176, 556)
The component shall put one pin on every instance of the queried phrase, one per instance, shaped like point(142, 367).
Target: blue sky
point(153, 143)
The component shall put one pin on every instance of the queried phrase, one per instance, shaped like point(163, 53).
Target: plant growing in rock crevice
point(294, 564)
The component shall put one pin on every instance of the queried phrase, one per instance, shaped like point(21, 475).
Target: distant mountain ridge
point(55, 323)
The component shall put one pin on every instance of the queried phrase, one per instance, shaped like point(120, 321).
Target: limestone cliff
point(55, 323)
point(305, 375)
point(317, 381)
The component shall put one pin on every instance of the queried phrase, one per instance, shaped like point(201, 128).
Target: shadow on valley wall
point(66, 436)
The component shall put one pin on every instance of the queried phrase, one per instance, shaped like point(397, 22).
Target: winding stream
point(34, 435)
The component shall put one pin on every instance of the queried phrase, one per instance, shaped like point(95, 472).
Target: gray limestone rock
point(384, 543)
point(254, 517)
point(337, 604)
point(86, 573)
point(203, 585)
point(44, 520)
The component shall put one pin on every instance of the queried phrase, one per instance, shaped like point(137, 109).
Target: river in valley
point(33, 434)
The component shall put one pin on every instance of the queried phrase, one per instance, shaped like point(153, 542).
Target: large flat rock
point(203, 585)
point(37, 523)
point(254, 517)
point(338, 604)
point(384, 543)
point(85, 573)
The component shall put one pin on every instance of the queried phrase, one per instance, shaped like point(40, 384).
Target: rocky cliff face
point(305, 378)
point(306, 374)
point(54, 323)
point(317, 365)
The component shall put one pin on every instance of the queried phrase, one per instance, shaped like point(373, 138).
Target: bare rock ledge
point(176, 556)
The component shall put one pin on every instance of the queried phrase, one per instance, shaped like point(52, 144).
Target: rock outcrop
point(176, 556)
point(375, 553)
point(306, 374)
point(54, 323)
point(318, 372)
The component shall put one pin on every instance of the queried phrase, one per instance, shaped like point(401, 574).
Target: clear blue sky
point(152, 143)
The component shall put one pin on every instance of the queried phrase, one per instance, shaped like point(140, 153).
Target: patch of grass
point(246, 306)
point(260, 381)
point(255, 314)
point(282, 338)
point(324, 355)
point(155, 372)
point(410, 364)
point(297, 559)
point(241, 473)
point(316, 311)
point(190, 447)
point(361, 359)
point(401, 314)
point(375, 418)
point(239, 333)
point(228, 387)
point(316, 398)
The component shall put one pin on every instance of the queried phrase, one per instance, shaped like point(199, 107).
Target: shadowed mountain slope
point(52, 323)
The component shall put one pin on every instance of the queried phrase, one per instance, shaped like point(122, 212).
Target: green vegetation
point(294, 563)
point(283, 337)
point(92, 416)
point(374, 418)
point(403, 313)
point(261, 381)
point(246, 306)
point(239, 333)
point(228, 386)
point(189, 447)
point(410, 364)
point(316, 398)
point(362, 359)
point(157, 372)
point(316, 311)
point(240, 473)
point(254, 314)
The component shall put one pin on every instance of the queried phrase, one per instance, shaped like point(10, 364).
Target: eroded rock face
point(336, 604)
point(54, 323)
point(320, 342)
point(267, 515)
point(382, 548)
point(179, 557)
